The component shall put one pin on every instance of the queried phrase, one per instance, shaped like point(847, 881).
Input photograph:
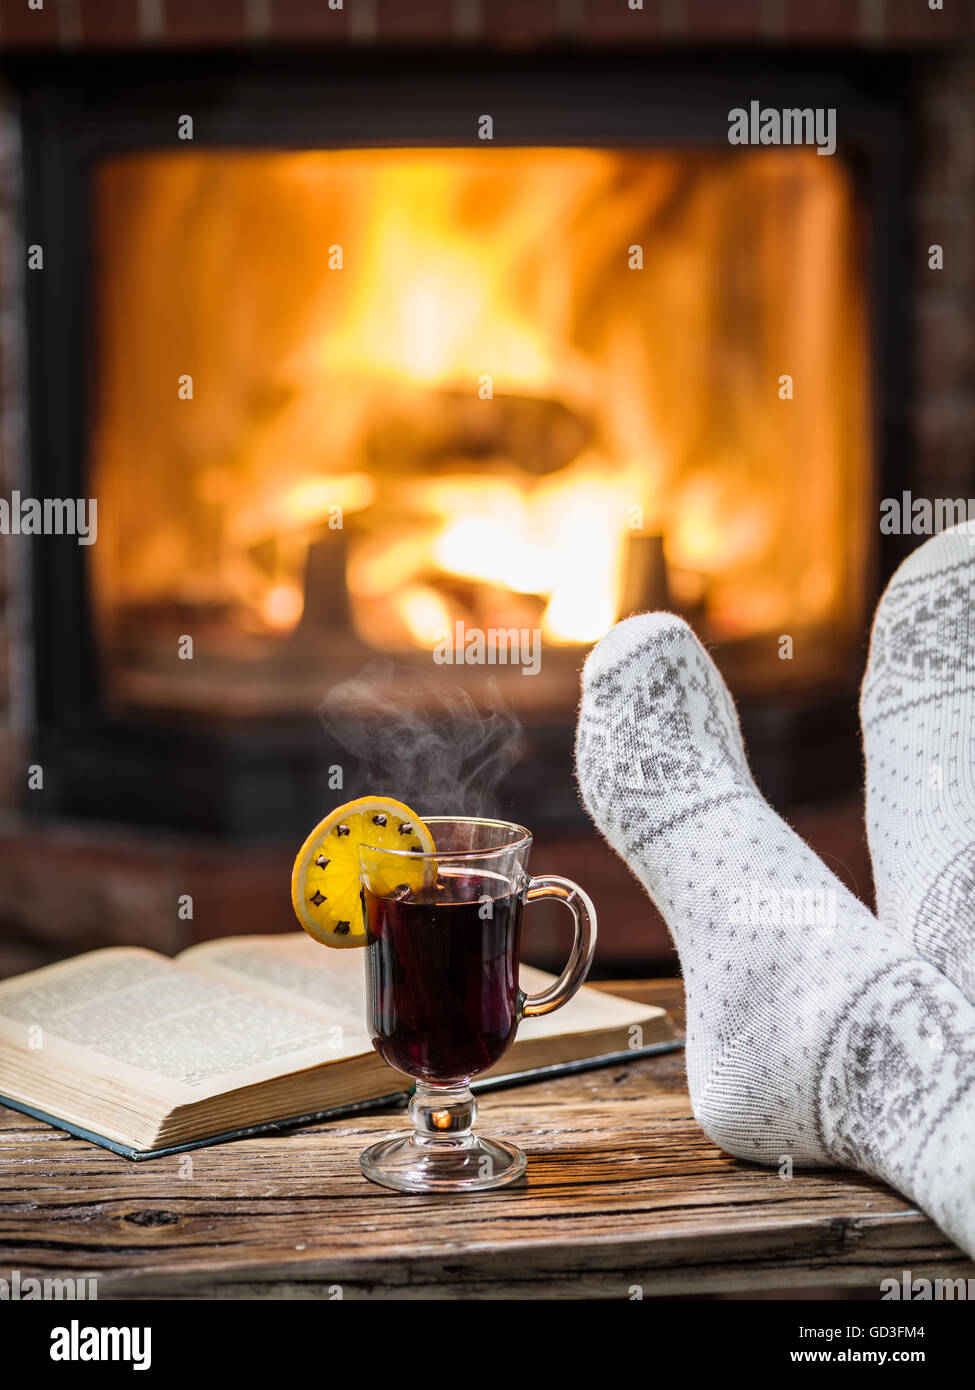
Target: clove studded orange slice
point(325, 880)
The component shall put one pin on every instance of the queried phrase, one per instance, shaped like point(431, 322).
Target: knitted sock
point(813, 1032)
point(917, 708)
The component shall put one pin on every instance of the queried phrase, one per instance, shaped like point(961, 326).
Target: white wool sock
point(813, 1032)
point(917, 708)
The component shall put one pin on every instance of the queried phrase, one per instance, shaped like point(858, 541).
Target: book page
point(290, 966)
point(166, 1028)
point(293, 966)
point(589, 1011)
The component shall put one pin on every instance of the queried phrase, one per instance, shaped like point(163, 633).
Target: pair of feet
point(816, 1031)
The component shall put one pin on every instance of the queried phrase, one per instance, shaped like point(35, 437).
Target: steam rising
point(421, 742)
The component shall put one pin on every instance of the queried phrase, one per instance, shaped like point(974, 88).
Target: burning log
point(445, 427)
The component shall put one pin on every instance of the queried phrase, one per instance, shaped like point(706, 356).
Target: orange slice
point(325, 881)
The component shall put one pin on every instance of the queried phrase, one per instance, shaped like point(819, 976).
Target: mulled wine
point(443, 974)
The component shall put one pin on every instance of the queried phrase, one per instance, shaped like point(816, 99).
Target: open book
point(147, 1055)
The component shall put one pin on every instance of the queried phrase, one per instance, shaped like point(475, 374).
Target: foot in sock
point(813, 1031)
point(917, 708)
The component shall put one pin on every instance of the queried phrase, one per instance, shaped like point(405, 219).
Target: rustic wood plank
point(623, 1190)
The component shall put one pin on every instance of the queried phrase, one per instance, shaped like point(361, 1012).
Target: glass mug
point(442, 992)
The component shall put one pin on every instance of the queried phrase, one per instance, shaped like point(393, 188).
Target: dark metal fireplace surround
point(259, 778)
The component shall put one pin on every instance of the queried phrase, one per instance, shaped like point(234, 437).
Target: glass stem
point(443, 1116)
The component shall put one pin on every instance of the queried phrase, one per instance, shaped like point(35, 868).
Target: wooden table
point(623, 1191)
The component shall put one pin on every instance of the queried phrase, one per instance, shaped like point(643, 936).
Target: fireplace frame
point(267, 778)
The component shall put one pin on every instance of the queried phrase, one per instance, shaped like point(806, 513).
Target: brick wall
point(114, 23)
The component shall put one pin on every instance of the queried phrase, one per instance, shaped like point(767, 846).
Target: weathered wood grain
point(622, 1190)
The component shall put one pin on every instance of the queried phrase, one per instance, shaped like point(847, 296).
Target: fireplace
point(350, 382)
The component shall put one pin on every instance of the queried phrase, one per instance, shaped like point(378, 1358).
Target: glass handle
point(584, 916)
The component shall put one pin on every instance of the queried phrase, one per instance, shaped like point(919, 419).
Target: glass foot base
point(471, 1165)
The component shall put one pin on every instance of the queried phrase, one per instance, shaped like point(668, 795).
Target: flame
point(281, 606)
point(425, 613)
point(435, 306)
point(497, 551)
point(473, 412)
point(315, 498)
point(713, 529)
point(586, 519)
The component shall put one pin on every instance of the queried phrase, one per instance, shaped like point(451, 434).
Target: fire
point(560, 543)
point(584, 600)
point(498, 552)
point(712, 531)
point(431, 388)
point(281, 606)
point(426, 615)
point(435, 305)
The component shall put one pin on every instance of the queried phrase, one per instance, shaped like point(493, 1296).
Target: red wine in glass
point(443, 974)
point(442, 992)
